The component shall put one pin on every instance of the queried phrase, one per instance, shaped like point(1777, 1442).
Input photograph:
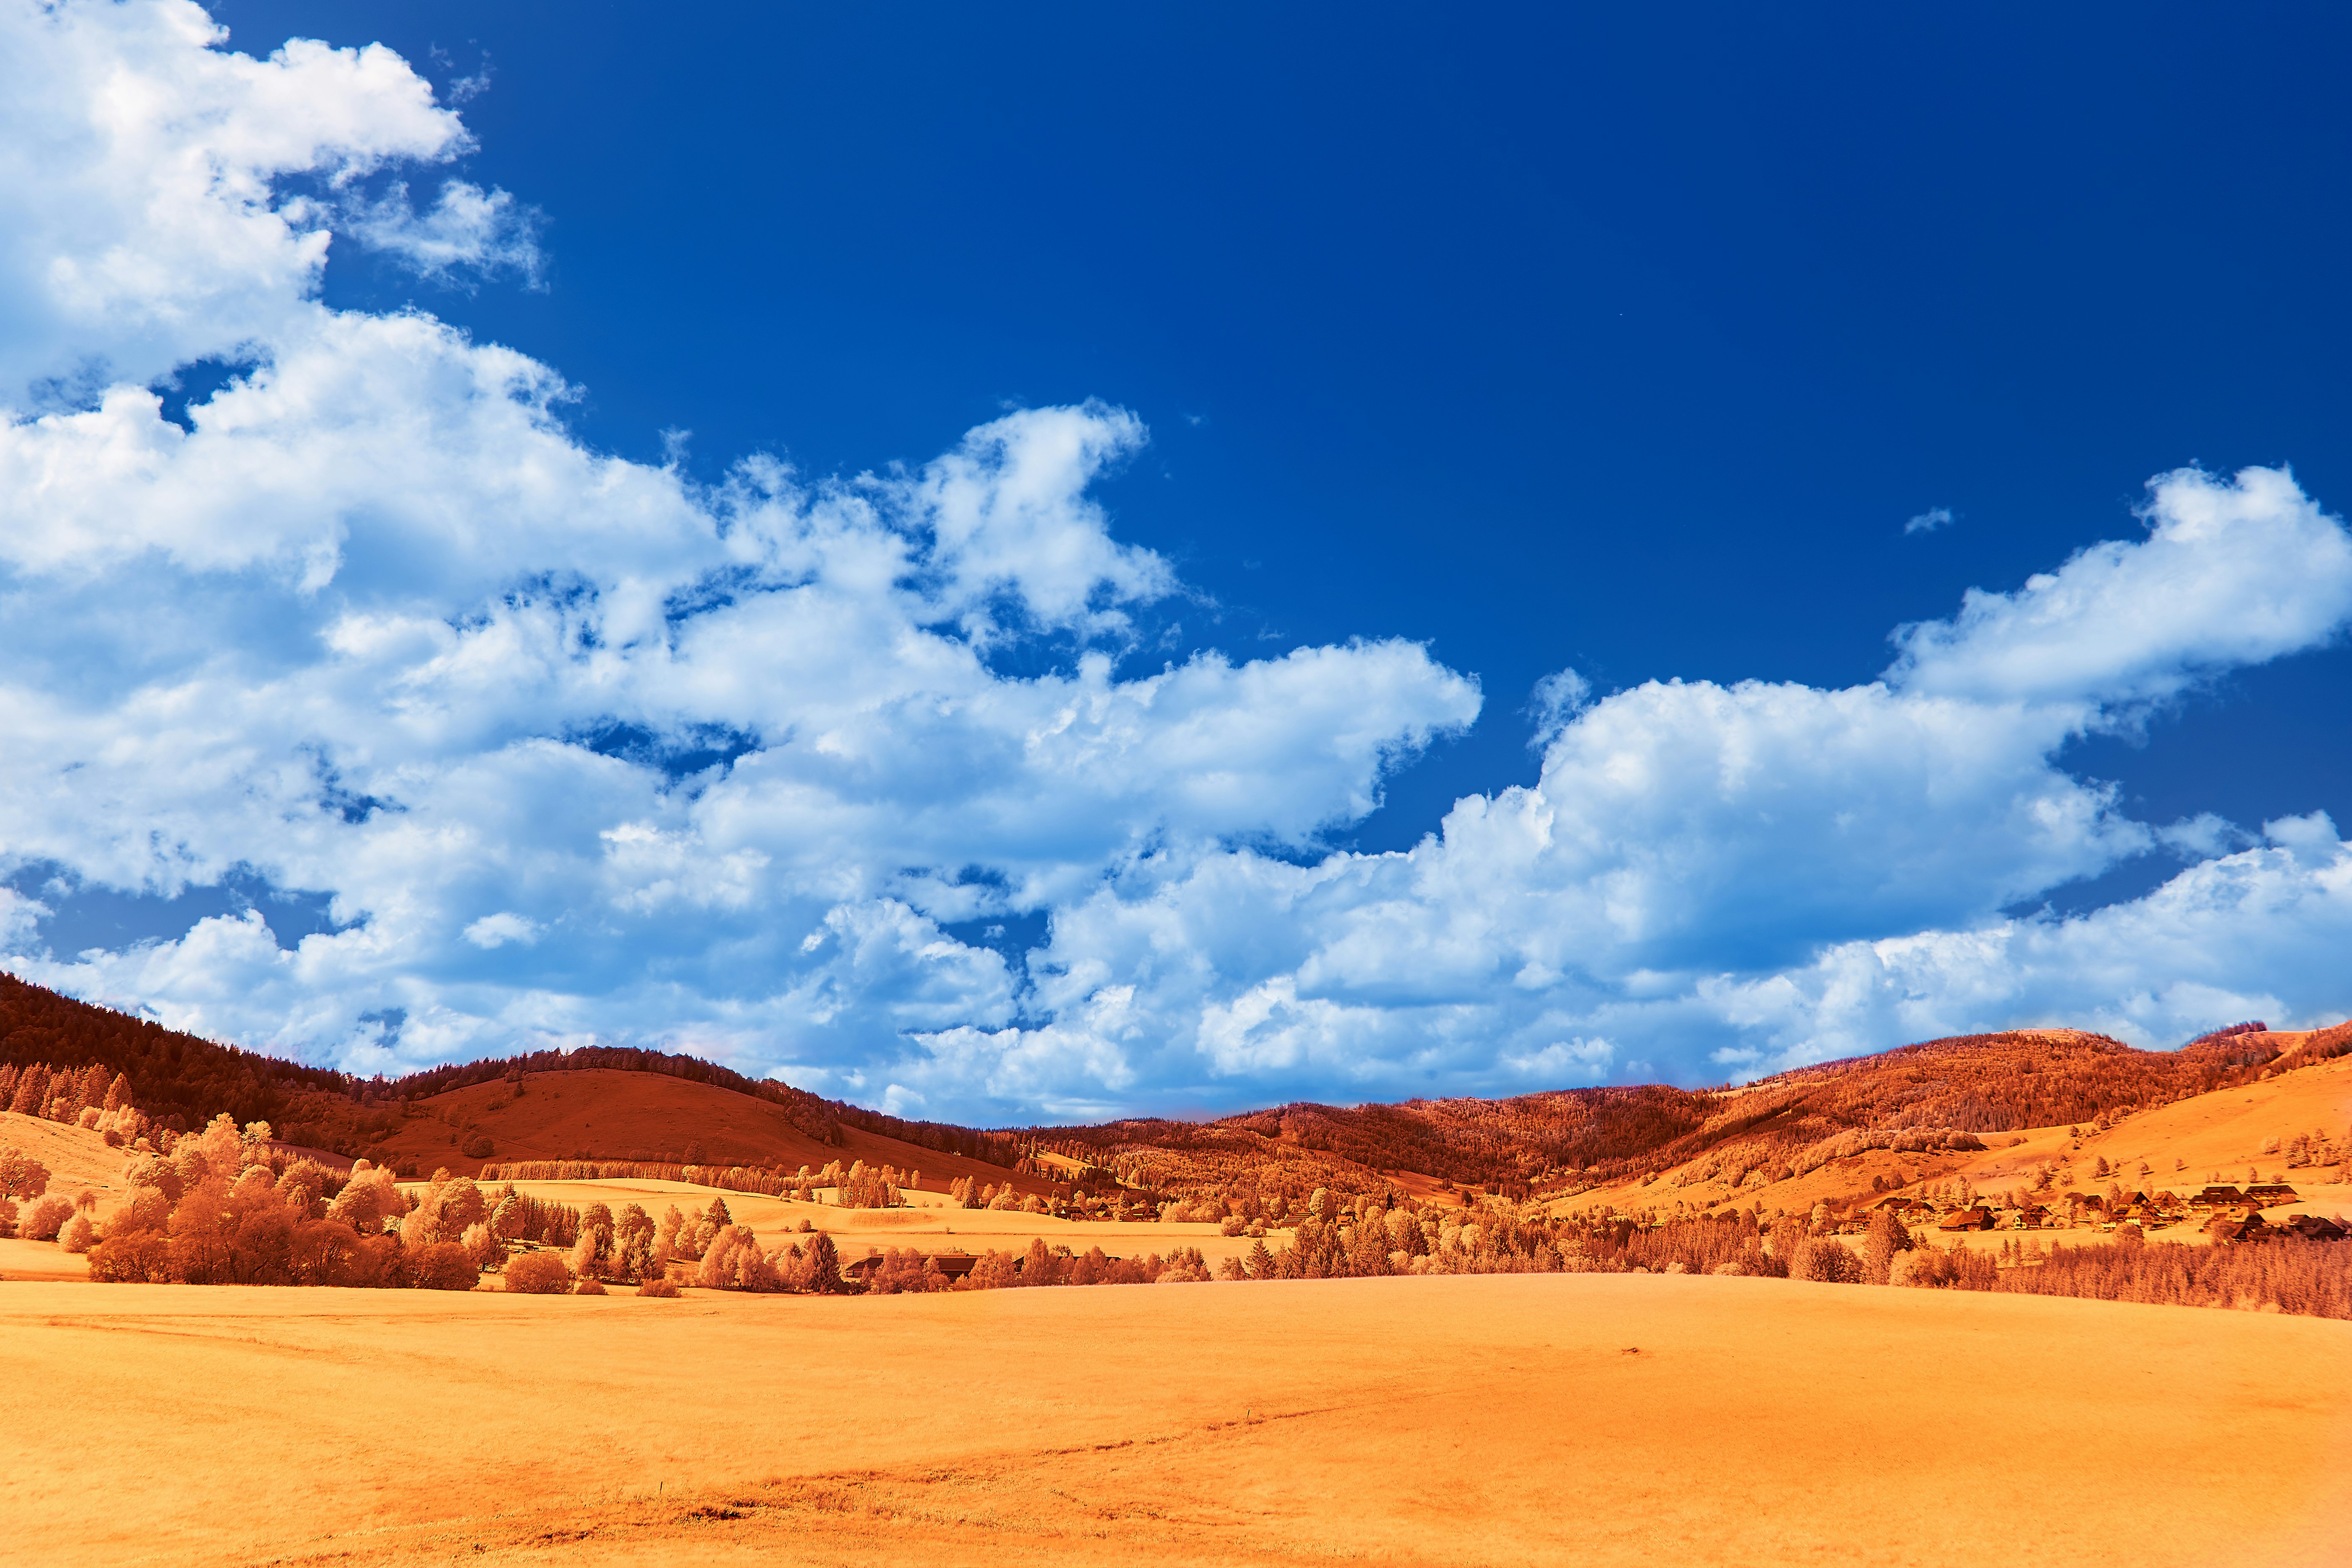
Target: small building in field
point(954, 1265)
point(1977, 1218)
point(2270, 1194)
point(2217, 1198)
point(2032, 1217)
point(2312, 1227)
point(2226, 1230)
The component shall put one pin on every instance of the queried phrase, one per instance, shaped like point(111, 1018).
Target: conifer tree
point(824, 1263)
point(32, 1090)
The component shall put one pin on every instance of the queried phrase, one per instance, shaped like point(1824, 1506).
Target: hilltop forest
point(1520, 1147)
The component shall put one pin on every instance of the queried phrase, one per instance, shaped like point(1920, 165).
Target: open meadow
point(926, 1221)
point(1594, 1419)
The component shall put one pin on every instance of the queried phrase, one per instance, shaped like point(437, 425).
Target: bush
point(443, 1266)
point(47, 1218)
point(591, 1286)
point(78, 1235)
point(1826, 1262)
point(478, 1147)
point(134, 1257)
point(538, 1274)
point(664, 1288)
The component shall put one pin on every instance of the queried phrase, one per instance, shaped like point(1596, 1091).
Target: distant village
point(2226, 1214)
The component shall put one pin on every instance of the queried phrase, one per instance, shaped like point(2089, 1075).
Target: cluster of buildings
point(2226, 1214)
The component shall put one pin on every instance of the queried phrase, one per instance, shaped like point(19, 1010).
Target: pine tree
point(824, 1265)
point(32, 1090)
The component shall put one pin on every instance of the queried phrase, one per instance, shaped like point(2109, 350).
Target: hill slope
point(604, 1114)
point(1836, 1130)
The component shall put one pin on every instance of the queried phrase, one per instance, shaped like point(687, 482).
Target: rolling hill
point(606, 1113)
point(1835, 1132)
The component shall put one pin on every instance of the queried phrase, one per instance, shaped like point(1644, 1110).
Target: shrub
point(443, 1266)
point(478, 1147)
point(666, 1287)
point(138, 1256)
point(538, 1274)
point(46, 1218)
point(1827, 1262)
point(592, 1286)
point(77, 1236)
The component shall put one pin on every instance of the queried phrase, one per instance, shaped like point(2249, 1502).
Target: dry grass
point(2224, 1130)
point(928, 1223)
point(1467, 1420)
point(76, 1156)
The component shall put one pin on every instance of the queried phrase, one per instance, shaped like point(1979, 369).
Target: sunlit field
point(1578, 1418)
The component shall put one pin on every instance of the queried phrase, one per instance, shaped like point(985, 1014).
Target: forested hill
point(183, 1081)
point(1972, 1084)
point(171, 1074)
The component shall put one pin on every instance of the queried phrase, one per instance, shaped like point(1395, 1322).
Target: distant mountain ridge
point(1972, 1084)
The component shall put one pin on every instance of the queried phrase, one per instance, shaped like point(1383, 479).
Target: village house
point(2225, 1229)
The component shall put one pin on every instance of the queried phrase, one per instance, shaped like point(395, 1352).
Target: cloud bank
point(569, 748)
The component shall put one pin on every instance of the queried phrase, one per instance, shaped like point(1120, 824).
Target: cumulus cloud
point(577, 749)
point(2234, 571)
point(1928, 522)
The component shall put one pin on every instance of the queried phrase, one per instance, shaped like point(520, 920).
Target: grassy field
point(1587, 1419)
point(2183, 1144)
point(928, 1223)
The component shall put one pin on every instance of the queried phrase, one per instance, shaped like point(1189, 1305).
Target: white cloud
point(142, 217)
point(2234, 571)
point(1928, 522)
point(468, 229)
point(494, 932)
point(580, 750)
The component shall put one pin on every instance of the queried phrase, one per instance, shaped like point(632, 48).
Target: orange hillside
point(603, 1115)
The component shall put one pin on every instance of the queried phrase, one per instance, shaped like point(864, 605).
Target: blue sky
point(1428, 359)
point(1606, 341)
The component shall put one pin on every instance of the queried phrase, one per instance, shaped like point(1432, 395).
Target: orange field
point(1586, 1419)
